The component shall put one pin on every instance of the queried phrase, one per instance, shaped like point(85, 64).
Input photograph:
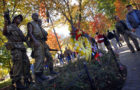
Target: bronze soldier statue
point(48, 56)
point(21, 64)
point(37, 45)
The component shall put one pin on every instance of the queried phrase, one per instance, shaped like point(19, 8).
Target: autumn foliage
point(120, 9)
point(42, 10)
point(136, 3)
point(52, 41)
point(100, 24)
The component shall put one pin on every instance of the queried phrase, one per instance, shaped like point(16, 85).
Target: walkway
point(132, 61)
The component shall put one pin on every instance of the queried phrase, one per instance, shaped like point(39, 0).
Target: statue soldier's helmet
point(15, 17)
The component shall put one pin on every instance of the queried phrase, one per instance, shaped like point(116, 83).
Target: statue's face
point(35, 17)
point(18, 20)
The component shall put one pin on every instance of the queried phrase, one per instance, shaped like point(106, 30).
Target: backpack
point(110, 35)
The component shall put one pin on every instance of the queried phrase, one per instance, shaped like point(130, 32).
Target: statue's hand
point(6, 22)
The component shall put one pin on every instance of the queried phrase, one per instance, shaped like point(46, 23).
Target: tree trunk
point(80, 11)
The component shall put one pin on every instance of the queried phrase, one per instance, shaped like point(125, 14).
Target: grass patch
point(5, 83)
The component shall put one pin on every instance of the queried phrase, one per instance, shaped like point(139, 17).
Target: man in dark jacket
point(60, 57)
point(122, 29)
point(107, 43)
point(117, 38)
point(113, 41)
point(133, 20)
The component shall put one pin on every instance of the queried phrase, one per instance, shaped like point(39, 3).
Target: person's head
point(40, 22)
point(117, 18)
point(114, 31)
point(35, 16)
point(17, 19)
point(97, 33)
point(107, 30)
point(129, 8)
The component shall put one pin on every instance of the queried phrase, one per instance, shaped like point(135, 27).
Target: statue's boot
point(27, 82)
point(52, 71)
point(12, 87)
point(40, 77)
point(19, 86)
point(37, 77)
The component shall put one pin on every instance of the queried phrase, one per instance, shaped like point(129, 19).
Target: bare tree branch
point(69, 11)
point(4, 4)
point(80, 12)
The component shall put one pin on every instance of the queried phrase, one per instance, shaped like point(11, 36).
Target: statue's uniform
point(21, 64)
point(48, 57)
point(39, 53)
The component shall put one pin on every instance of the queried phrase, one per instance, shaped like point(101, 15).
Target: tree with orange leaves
point(52, 41)
point(136, 3)
point(42, 10)
point(120, 8)
point(100, 24)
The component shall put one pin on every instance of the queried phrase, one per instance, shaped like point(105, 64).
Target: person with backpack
point(60, 57)
point(123, 30)
point(67, 54)
point(107, 43)
point(133, 20)
point(113, 41)
point(117, 38)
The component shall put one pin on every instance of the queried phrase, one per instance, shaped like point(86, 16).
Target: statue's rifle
point(89, 78)
point(48, 16)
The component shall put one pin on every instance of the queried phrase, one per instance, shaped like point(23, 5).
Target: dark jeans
point(127, 37)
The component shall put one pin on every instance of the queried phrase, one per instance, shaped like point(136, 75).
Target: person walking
point(113, 41)
point(107, 43)
point(123, 30)
point(100, 41)
point(133, 20)
point(117, 38)
point(60, 57)
point(67, 54)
